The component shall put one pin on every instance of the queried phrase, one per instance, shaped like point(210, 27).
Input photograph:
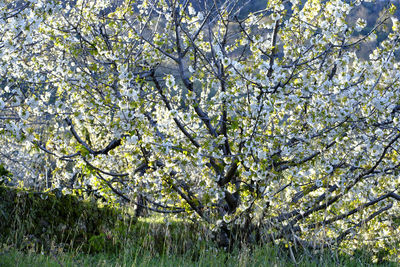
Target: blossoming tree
point(264, 127)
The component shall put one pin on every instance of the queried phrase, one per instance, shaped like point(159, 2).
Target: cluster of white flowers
point(360, 24)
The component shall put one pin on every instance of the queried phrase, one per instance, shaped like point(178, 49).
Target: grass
point(152, 241)
point(132, 256)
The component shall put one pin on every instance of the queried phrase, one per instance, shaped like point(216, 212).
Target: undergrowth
point(48, 230)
